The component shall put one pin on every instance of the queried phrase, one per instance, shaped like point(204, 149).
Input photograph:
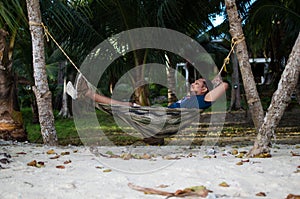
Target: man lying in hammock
point(201, 97)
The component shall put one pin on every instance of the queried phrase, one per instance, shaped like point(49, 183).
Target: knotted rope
point(234, 42)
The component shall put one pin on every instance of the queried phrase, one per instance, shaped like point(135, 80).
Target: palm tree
point(63, 17)
point(11, 118)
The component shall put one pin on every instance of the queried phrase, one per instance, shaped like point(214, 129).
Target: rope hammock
point(158, 122)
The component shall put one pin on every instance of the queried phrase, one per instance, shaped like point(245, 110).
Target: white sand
point(173, 166)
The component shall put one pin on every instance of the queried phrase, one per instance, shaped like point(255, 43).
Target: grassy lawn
point(67, 132)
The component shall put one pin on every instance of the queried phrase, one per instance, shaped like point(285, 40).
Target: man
point(201, 97)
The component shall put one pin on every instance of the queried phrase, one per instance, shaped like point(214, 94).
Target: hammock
point(157, 122)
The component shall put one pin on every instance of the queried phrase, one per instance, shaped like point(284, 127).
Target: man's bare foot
point(81, 86)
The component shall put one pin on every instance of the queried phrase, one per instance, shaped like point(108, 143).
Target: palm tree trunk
point(235, 103)
point(252, 96)
point(280, 100)
point(41, 88)
point(11, 123)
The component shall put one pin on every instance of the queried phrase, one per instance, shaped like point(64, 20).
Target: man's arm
point(217, 92)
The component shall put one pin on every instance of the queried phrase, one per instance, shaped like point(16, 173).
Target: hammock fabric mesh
point(158, 122)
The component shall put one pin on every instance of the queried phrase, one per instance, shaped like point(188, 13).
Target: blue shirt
point(195, 101)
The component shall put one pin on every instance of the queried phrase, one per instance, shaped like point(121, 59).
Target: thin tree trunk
point(64, 111)
point(41, 88)
point(171, 81)
point(252, 96)
point(141, 93)
point(280, 100)
point(59, 86)
point(297, 92)
point(235, 103)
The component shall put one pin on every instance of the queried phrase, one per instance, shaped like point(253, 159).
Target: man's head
point(199, 87)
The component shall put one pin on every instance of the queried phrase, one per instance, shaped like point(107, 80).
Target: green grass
point(67, 132)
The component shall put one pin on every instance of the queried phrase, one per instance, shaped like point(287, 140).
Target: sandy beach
point(37, 171)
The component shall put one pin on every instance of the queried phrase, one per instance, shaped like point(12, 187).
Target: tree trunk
point(280, 100)
point(11, 123)
point(64, 111)
point(235, 103)
point(252, 96)
point(62, 98)
point(41, 88)
point(297, 92)
point(171, 82)
point(141, 93)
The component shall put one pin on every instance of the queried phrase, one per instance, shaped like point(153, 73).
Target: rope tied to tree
point(234, 42)
point(47, 35)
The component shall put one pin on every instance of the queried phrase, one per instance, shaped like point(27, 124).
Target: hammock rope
point(234, 42)
point(47, 35)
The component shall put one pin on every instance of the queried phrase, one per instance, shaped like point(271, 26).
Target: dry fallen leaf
point(51, 151)
point(55, 157)
point(21, 153)
point(234, 152)
point(67, 162)
point(292, 196)
point(263, 155)
point(146, 156)
point(224, 184)
point(4, 161)
point(261, 194)
point(60, 167)
point(32, 163)
point(171, 158)
point(126, 156)
point(239, 163)
point(65, 153)
point(294, 154)
point(245, 160)
point(106, 170)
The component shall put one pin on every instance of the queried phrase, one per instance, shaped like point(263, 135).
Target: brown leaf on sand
point(198, 191)
point(263, 155)
point(51, 151)
point(294, 154)
point(21, 153)
point(32, 163)
point(261, 194)
point(55, 157)
point(223, 184)
point(67, 162)
point(60, 167)
point(292, 196)
point(65, 153)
